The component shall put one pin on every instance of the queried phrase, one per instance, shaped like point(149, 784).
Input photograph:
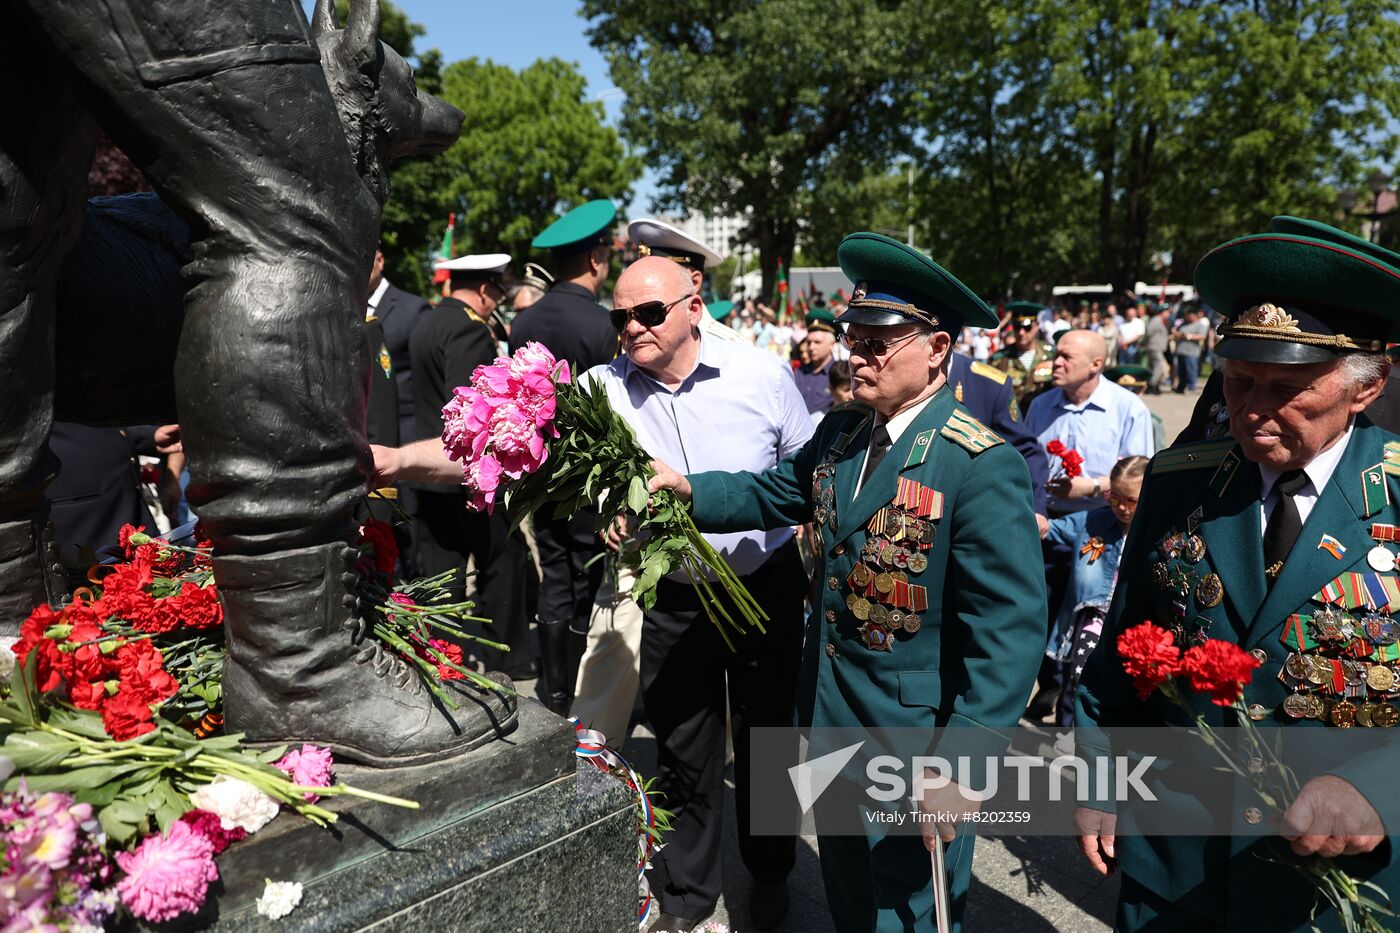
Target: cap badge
point(643, 250)
point(1269, 317)
point(859, 292)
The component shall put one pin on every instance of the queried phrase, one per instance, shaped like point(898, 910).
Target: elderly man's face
point(1078, 358)
point(890, 381)
point(1283, 416)
point(819, 346)
point(653, 348)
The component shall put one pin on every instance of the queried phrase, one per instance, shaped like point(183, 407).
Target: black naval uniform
point(569, 321)
point(990, 396)
point(447, 345)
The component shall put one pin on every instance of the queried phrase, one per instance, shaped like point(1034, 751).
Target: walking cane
point(941, 906)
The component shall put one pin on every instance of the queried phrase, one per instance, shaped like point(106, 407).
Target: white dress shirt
point(1318, 473)
point(896, 427)
point(375, 298)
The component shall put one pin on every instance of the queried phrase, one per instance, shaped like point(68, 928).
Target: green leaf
point(637, 496)
point(75, 779)
point(36, 751)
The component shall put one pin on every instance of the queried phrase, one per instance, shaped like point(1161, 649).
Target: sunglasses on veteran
point(647, 314)
point(871, 347)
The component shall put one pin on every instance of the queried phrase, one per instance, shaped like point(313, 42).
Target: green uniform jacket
point(975, 657)
point(1224, 878)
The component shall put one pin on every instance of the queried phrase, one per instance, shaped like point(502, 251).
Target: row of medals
point(1367, 684)
point(1170, 575)
point(885, 561)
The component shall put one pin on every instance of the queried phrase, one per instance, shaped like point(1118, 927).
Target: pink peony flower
point(309, 766)
point(167, 876)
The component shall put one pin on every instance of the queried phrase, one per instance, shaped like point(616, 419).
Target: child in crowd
point(1096, 538)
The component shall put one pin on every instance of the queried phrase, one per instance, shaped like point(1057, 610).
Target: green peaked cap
point(719, 310)
point(821, 319)
point(1022, 308)
point(897, 284)
point(1304, 292)
point(582, 226)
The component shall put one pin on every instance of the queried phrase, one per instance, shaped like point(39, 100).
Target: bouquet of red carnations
point(1071, 461)
point(525, 429)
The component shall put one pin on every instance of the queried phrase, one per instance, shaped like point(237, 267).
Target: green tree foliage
point(746, 108)
point(533, 146)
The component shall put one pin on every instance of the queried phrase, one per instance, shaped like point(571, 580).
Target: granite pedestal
point(518, 835)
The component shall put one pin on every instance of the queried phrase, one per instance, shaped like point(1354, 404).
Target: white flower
point(279, 898)
point(236, 803)
point(7, 657)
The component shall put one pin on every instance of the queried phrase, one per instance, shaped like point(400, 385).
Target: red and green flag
point(444, 252)
point(780, 291)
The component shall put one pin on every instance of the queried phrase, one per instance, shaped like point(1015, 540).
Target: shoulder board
point(1197, 456)
point(969, 433)
point(1390, 460)
point(991, 372)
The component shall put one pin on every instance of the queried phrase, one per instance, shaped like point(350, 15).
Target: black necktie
point(1285, 524)
point(879, 446)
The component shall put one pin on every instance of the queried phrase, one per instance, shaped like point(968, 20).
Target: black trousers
point(684, 663)
point(449, 533)
point(567, 586)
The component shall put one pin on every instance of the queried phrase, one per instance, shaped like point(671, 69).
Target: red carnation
point(124, 536)
point(1219, 668)
point(199, 606)
point(157, 616)
point(127, 715)
point(161, 560)
point(1055, 448)
point(211, 827)
point(1149, 657)
point(380, 538)
point(49, 662)
point(450, 651)
point(143, 672)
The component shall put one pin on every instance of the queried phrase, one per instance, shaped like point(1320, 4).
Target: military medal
point(912, 622)
point(862, 575)
point(1380, 678)
point(1380, 559)
point(1193, 549)
point(918, 563)
point(861, 610)
point(879, 614)
point(1209, 591)
point(1385, 716)
point(874, 637)
point(1161, 575)
point(896, 619)
point(1343, 714)
point(1296, 705)
point(1296, 666)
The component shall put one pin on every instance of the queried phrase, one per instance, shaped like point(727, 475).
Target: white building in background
point(719, 233)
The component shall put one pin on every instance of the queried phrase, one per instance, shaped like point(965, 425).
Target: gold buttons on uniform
point(832, 583)
point(831, 615)
point(839, 550)
point(1257, 711)
point(1260, 655)
point(1253, 815)
point(830, 650)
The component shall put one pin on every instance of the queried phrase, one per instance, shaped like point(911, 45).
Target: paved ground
point(1019, 883)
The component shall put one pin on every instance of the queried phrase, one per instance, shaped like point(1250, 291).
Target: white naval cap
point(485, 265)
point(658, 238)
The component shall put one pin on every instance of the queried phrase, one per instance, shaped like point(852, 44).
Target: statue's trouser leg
point(46, 142)
point(272, 373)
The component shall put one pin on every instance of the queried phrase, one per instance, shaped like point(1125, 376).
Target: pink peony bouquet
point(526, 433)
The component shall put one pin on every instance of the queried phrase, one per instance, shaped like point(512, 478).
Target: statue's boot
point(303, 666)
point(29, 572)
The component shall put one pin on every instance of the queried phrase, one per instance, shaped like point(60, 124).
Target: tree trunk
point(775, 240)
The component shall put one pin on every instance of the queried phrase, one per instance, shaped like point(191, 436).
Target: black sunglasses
point(647, 314)
point(870, 347)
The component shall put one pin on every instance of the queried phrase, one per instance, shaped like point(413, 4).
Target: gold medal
point(851, 600)
point(1297, 667)
point(1319, 671)
point(1193, 548)
point(1385, 716)
point(1316, 708)
point(912, 622)
point(899, 576)
point(862, 575)
point(1161, 575)
point(918, 563)
point(884, 583)
point(1363, 714)
point(1380, 678)
point(861, 610)
point(1209, 591)
point(1343, 714)
point(1296, 705)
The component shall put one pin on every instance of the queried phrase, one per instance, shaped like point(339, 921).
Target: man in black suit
point(452, 340)
point(398, 313)
point(98, 485)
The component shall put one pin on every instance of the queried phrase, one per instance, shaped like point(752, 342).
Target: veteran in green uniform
point(1281, 539)
point(1028, 358)
point(926, 619)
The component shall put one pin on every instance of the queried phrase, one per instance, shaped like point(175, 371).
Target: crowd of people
point(986, 432)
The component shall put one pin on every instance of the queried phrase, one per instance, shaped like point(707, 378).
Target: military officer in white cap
point(451, 341)
point(657, 238)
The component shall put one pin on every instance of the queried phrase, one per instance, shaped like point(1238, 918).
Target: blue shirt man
point(1087, 413)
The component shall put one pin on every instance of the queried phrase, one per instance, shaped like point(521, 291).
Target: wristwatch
point(1098, 486)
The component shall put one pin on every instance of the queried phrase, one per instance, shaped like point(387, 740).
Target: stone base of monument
point(518, 835)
